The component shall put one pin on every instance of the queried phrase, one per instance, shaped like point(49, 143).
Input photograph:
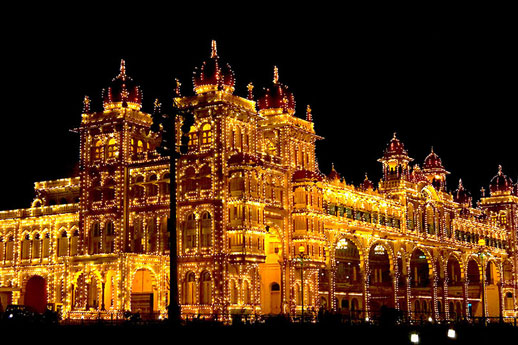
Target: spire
point(500, 170)
point(156, 106)
point(177, 89)
point(214, 50)
point(122, 74)
point(460, 184)
point(250, 88)
point(86, 105)
point(275, 75)
point(309, 117)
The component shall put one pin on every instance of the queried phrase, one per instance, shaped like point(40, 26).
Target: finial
point(177, 90)
point(394, 137)
point(156, 106)
point(214, 50)
point(275, 75)
point(86, 105)
point(332, 166)
point(460, 184)
point(309, 116)
point(483, 191)
point(250, 88)
point(122, 69)
point(499, 170)
point(432, 149)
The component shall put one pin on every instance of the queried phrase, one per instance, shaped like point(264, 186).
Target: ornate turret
point(395, 161)
point(276, 99)
point(462, 196)
point(122, 92)
point(214, 75)
point(367, 184)
point(333, 175)
point(434, 171)
point(501, 184)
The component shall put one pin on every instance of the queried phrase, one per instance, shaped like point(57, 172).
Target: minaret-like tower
point(395, 164)
point(435, 172)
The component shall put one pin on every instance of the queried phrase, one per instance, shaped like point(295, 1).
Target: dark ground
point(273, 332)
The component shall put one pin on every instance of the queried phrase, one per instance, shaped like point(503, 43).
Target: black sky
point(441, 81)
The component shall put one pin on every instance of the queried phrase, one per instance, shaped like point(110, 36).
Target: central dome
point(214, 75)
point(276, 99)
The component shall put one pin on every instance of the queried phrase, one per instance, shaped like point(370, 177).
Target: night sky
point(449, 83)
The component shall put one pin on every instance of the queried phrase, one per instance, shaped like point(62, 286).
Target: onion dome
point(501, 184)
point(367, 184)
point(306, 176)
point(122, 92)
point(242, 158)
point(395, 149)
point(432, 162)
point(333, 175)
point(276, 99)
point(462, 196)
point(214, 75)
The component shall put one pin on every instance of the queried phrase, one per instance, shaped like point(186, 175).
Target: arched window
point(193, 137)
point(137, 235)
point(205, 288)
point(98, 151)
point(140, 146)
point(137, 188)
point(111, 149)
point(74, 242)
point(109, 237)
point(205, 177)
point(9, 251)
point(152, 187)
point(234, 293)
point(206, 134)
point(36, 246)
point(206, 230)
point(109, 189)
point(96, 190)
point(26, 246)
point(95, 238)
point(190, 182)
point(247, 293)
point(189, 238)
point(46, 245)
point(189, 289)
point(152, 235)
point(63, 244)
point(165, 185)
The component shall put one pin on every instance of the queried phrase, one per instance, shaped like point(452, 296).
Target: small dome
point(501, 184)
point(395, 148)
point(417, 175)
point(367, 184)
point(277, 98)
point(214, 75)
point(432, 162)
point(462, 196)
point(122, 91)
point(306, 175)
point(333, 175)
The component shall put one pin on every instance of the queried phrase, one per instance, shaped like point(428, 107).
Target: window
point(36, 246)
point(189, 289)
point(206, 134)
point(74, 242)
point(206, 230)
point(98, 151)
point(193, 137)
point(46, 245)
point(111, 149)
point(63, 244)
point(189, 237)
point(95, 238)
point(26, 245)
point(109, 240)
point(9, 251)
point(205, 288)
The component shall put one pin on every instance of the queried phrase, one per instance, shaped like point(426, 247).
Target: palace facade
point(260, 230)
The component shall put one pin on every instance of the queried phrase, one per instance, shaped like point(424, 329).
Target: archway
point(36, 294)
point(420, 280)
point(144, 294)
point(381, 288)
point(455, 286)
point(348, 280)
point(492, 290)
point(474, 289)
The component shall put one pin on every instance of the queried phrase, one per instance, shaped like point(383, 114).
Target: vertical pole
point(174, 306)
point(302, 285)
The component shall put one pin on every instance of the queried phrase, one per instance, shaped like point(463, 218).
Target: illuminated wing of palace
point(260, 229)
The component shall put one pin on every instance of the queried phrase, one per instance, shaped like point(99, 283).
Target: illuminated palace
point(260, 230)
